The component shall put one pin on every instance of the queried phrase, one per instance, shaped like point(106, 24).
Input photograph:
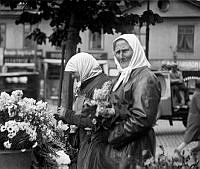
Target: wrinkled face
point(75, 75)
point(123, 53)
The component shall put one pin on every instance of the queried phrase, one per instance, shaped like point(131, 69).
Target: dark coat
point(133, 138)
point(91, 146)
point(131, 133)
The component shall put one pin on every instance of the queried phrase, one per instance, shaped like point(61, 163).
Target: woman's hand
point(89, 111)
point(176, 155)
point(59, 115)
point(104, 111)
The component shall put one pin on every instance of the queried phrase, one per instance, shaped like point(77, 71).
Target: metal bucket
point(15, 159)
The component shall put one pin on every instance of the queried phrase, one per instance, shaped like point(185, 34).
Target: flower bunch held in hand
point(101, 99)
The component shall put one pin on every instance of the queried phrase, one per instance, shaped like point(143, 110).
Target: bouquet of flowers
point(101, 99)
point(27, 124)
point(104, 110)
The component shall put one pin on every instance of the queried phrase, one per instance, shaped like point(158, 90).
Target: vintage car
point(169, 108)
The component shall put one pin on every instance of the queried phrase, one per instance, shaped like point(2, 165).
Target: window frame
point(185, 35)
point(33, 44)
point(137, 30)
point(90, 46)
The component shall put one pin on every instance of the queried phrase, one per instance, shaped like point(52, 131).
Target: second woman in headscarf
point(85, 68)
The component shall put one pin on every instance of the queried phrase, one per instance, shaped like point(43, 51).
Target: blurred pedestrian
point(177, 85)
point(192, 132)
point(176, 74)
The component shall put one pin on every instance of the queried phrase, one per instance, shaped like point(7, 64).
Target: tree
point(69, 17)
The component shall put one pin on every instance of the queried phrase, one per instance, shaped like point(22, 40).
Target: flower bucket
point(15, 159)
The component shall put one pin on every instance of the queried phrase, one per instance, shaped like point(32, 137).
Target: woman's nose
point(120, 54)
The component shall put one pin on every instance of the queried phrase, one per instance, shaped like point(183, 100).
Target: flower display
point(28, 124)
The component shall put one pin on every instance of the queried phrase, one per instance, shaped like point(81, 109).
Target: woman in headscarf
point(136, 94)
point(85, 68)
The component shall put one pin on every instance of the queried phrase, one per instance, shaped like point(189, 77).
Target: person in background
point(90, 76)
point(164, 67)
point(176, 74)
point(177, 83)
point(192, 132)
point(136, 95)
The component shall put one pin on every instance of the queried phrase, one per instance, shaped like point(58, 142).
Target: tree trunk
point(67, 87)
point(71, 45)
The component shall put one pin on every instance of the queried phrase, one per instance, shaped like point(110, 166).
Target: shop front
point(19, 71)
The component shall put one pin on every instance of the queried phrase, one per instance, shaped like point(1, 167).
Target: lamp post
point(147, 33)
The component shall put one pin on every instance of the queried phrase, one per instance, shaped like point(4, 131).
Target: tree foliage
point(79, 15)
point(68, 18)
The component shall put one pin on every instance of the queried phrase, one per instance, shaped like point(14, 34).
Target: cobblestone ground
point(170, 136)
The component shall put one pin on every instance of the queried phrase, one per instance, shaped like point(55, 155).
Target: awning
point(184, 65)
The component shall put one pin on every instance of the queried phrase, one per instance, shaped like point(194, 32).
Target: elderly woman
point(136, 94)
point(85, 68)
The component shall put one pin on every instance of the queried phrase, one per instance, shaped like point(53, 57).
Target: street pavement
point(170, 136)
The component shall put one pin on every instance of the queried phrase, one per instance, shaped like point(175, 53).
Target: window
point(53, 72)
point(2, 35)
point(140, 32)
point(96, 40)
point(185, 38)
point(28, 43)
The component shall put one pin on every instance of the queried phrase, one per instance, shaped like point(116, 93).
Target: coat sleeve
point(142, 111)
point(72, 118)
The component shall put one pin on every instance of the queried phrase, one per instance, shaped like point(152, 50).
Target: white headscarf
point(85, 64)
point(138, 59)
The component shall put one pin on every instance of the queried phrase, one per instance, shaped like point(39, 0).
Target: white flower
point(7, 144)
point(17, 95)
point(5, 96)
point(35, 145)
point(20, 114)
point(41, 106)
point(73, 128)
point(62, 126)
point(11, 135)
point(4, 100)
point(33, 136)
point(62, 158)
point(102, 94)
point(3, 128)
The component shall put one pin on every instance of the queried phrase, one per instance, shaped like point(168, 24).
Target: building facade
point(174, 40)
point(177, 38)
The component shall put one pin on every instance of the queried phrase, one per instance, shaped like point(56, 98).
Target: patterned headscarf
point(85, 64)
point(138, 59)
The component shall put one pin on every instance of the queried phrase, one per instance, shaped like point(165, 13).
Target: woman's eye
point(117, 52)
point(125, 51)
